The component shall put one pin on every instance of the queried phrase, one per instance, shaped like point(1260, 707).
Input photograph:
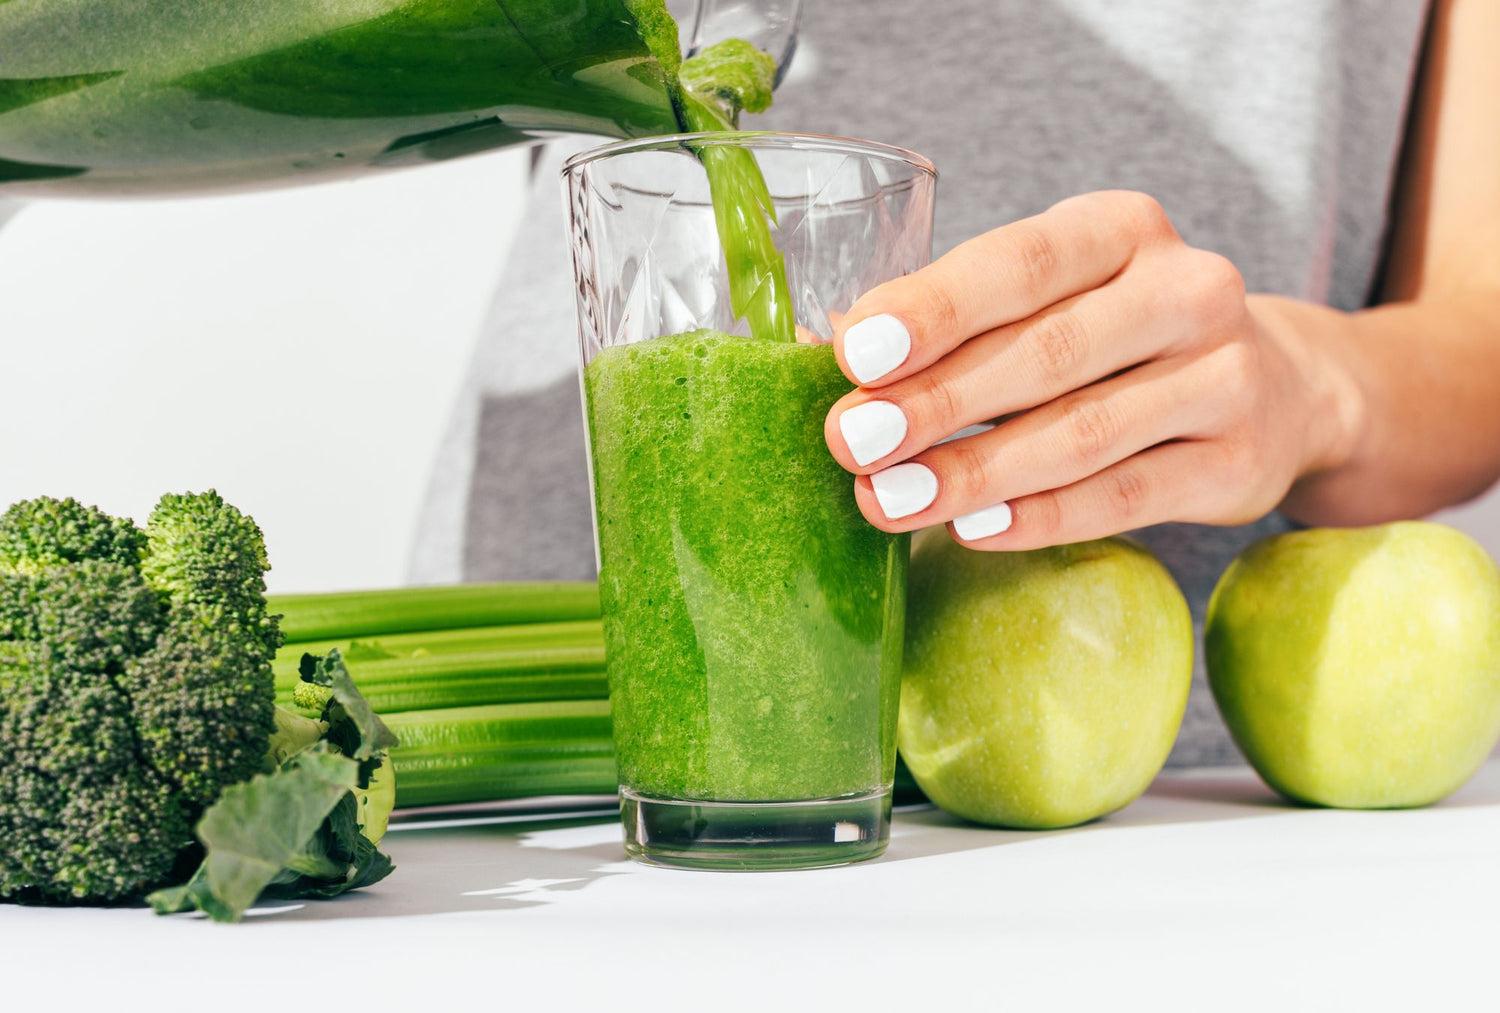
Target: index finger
point(998, 278)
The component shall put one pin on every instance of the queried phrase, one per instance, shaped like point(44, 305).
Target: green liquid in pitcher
point(159, 96)
point(748, 604)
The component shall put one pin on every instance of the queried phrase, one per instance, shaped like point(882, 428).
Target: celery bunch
point(494, 690)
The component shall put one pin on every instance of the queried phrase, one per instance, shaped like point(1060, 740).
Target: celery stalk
point(475, 640)
point(470, 754)
point(460, 680)
point(351, 614)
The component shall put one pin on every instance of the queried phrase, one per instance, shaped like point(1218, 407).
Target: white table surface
point(1207, 893)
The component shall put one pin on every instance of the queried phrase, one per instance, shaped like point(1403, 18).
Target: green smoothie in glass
point(753, 617)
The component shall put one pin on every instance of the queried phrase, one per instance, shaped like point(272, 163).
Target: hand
point(1132, 380)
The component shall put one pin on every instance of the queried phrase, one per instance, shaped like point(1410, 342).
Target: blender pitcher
point(173, 96)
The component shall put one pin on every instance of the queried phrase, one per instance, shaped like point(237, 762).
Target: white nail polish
point(904, 489)
point(872, 430)
point(875, 346)
point(983, 523)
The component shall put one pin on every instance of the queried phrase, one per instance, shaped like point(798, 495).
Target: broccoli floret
point(131, 698)
point(92, 617)
point(204, 705)
point(201, 549)
point(16, 606)
point(81, 817)
point(309, 695)
point(204, 700)
point(41, 533)
point(202, 552)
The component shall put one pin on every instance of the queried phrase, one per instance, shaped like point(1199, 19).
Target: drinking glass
point(753, 618)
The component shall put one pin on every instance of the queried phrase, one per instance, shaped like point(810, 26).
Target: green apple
point(1041, 689)
point(1360, 667)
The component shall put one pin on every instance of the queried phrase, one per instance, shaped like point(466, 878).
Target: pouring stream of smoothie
point(709, 91)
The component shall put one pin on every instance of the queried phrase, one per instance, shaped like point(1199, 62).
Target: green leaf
point(366, 736)
point(370, 866)
point(294, 832)
point(319, 860)
point(18, 92)
point(194, 895)
point(343, 828)
point(258, 828)
point(339, 859)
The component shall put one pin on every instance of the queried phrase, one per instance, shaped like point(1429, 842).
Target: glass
point(753, 618)
point(166, 96)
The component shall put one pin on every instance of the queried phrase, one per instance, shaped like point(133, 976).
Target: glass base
point(755, 836)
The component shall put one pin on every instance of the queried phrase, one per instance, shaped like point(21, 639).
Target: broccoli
point(202, 554)
point(80, 816)
point(41, 533)
point(136, 693)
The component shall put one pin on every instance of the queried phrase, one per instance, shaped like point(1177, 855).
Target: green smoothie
point(753, 617)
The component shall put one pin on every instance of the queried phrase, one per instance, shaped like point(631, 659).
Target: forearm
point(1410, 405)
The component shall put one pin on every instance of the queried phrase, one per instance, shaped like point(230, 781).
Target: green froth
point(733, 73)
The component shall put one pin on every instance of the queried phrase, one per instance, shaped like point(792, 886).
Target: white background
point(299, 350)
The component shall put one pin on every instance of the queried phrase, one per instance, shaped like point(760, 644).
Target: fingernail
point(904, 489)
point(983, 523)
point(875, 346)
point(872, 430)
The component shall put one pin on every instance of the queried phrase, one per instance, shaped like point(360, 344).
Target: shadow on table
point(1199, 797)
point(484, 859)
point(479, 860)
point(1190, 797)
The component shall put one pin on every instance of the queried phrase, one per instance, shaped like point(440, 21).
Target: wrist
point(1332, 423)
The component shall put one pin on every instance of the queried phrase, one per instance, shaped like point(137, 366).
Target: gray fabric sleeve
point(509, 495)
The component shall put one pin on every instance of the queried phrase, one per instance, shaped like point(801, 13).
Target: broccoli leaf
point(371, 865)
point(353, 725)
point(296, 831)
point(194, 895)
point(256, 829)
point(339, 844)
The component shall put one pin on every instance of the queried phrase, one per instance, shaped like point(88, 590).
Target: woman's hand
point(1133, 381)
